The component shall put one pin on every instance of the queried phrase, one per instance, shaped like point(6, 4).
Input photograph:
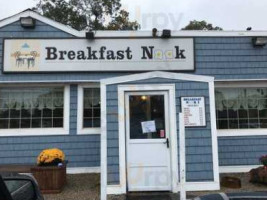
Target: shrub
point(263, 160)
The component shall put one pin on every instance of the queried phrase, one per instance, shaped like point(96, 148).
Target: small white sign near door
point(148, 126)
point(194, 111)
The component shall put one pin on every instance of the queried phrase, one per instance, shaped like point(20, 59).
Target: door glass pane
point(144, 108)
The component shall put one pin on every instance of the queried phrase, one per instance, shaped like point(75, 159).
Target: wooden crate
point(51, 180)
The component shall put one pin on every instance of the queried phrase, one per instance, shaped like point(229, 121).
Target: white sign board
point(148, 126)
point(193, 109)
point(81, 55)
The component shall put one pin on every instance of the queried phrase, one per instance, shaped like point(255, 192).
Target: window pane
point(96, 112)
point(4, 113)
point(47, 112)
point(263, 123)
point(96, 122)
point(47, 122)
point(263, 113)
point(3, 123)
point(87, 122)
point(253, 123)
point(14, 123)
point(36, 123)
point(88, 112)
point(58, 112)
point(58, 122)
point(25, 123)
point(91, 108)
point(223, 124)
point(243, 123)
point(25, 113)
point(242, 113)
point(33, 107)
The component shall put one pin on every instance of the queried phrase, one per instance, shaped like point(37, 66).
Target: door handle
point(167, 142)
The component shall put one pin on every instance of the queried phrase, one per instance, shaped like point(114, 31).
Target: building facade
point(112, 102)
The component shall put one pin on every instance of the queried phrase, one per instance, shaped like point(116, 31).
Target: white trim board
point(214, 138)
point(83, 170)
point(131, 34)
point(237, 169)
point(241, 132)
point(157, 74)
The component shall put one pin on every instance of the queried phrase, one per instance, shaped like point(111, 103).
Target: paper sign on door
point(148, 126)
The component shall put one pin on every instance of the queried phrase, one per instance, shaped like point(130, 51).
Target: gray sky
point(175, 14)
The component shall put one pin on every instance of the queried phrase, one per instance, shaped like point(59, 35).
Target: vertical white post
point(182, 156)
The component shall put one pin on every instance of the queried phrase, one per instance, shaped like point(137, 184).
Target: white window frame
point(80, 129)
point(43, 131)
point(241, 132)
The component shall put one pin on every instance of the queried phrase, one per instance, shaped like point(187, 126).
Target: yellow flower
point(49, 155)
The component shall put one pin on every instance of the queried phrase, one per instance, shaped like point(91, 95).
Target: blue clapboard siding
point(241, 150)
point(230, 58)
point(81, 151)
point(198, 140)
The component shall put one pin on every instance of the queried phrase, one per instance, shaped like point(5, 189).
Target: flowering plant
point(50, 157)
point(263, 160)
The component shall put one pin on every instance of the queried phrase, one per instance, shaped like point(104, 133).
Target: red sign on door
point(162, 133)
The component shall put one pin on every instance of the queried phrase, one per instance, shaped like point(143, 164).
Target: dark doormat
point(153, 196)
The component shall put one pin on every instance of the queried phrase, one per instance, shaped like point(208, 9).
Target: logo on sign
point(25, 56)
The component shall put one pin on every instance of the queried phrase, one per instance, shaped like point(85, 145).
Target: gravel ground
point(79, 187)
point(87, 187)
point(246, 186)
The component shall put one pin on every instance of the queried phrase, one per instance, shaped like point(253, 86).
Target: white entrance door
point(148, 145)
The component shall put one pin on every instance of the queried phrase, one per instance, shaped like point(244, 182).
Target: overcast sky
point(175, 14)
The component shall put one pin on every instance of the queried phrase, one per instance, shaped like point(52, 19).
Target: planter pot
point(231, 182)
point(258, 175)
point(51, 180)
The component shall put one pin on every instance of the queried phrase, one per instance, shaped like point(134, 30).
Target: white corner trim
point(103, 139)
point(67, 108)
point(202, 186)
point(83, 170)
point(44, 131)
point(115, 189)
point(214, 138)
point(237, 169)
point(157, 74)
point(241, 132)
point(80, 129)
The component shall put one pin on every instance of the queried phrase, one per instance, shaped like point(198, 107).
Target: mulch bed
point(87, 187)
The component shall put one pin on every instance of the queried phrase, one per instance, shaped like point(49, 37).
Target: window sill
point(33, 132)
point(241, 132)
point(89, 131)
